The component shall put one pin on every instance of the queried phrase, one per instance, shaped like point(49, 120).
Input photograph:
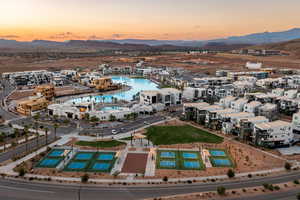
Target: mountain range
point(136, 44)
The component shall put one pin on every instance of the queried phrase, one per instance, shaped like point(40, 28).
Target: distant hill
point(229, 43)
point(263, 38)
point(292, 46)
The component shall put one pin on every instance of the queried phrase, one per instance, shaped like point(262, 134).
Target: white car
point(114, 132)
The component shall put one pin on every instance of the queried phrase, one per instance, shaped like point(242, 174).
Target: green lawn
point(100, 144)
point(165, 135)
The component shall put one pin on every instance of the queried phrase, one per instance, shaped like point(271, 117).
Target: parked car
point(114, 132)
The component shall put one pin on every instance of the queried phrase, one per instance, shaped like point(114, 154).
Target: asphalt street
point(24, 190)
point(126, 127)
point(8, 88)
point(20, 149)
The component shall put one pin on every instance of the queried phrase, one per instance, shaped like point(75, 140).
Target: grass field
point(166, 135)
point(100, 144)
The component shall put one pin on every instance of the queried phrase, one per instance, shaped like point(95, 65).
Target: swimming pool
point(167, 163)
point(189, 155)
point(191, 164)
point(84, 156)
point(101, 166)
point(219, 162)
point(136, 84)
point(77, 165)
point(167, 154)
point(105, 157)
point(220, 153)
point(56, 153)
point(109, 108)
point(49, 162)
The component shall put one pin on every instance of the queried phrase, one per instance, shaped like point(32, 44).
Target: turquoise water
point(191, 164)
point(217, 153)
point(109, 108)
point(190, 155)
point(136, 84)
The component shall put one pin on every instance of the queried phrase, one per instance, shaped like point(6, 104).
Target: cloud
point(65, 36)
point(9, 36)
point(117, 35)
point(95, 37)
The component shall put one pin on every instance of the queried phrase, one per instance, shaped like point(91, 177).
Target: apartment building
point(47, 91)
point(29, 107)
point(273, 134)
point(238, 104)
point(252, 107)
point(166, 96)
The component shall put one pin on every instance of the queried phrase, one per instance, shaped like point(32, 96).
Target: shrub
point(276, 187)
point(85, 178)
point(165, 179)
point(296, 182)
point(287, 166)
point(230, 173)
point(269, 186)
point(221, 190)
point(298, 196)
point(22, 171)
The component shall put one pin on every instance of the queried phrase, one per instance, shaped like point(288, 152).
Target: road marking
point(23, 189)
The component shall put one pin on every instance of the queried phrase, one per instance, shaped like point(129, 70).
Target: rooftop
point(274, 124)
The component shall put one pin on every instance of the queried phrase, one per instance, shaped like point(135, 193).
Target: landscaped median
point(100, 144)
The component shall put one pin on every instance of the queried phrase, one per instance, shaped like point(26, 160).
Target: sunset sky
point(143, 19)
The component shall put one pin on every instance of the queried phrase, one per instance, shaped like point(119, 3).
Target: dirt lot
point(207, 63)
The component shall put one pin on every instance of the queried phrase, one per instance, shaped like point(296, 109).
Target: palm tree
point(46, 133)
point(26, 132)
point(17, 134)
point(55, 128)
point(2, 138)
point(36, 125)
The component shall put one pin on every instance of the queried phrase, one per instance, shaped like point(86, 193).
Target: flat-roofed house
point(230, 121)
point(29, 107)
point(238, 104)
point(225, 102)
point(268, 110)
point(190, 110)
point(252, 107)
point(246, 126)
point(272, 134)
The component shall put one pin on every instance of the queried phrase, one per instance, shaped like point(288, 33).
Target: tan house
point(27, 107)
point(47, 91)
point(104, 84)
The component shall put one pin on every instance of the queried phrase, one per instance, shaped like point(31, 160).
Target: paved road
point(22, 190)
point(8, 88)
point(126, 127)
point(20, 149)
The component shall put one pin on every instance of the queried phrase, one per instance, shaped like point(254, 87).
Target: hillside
point(292, 47)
